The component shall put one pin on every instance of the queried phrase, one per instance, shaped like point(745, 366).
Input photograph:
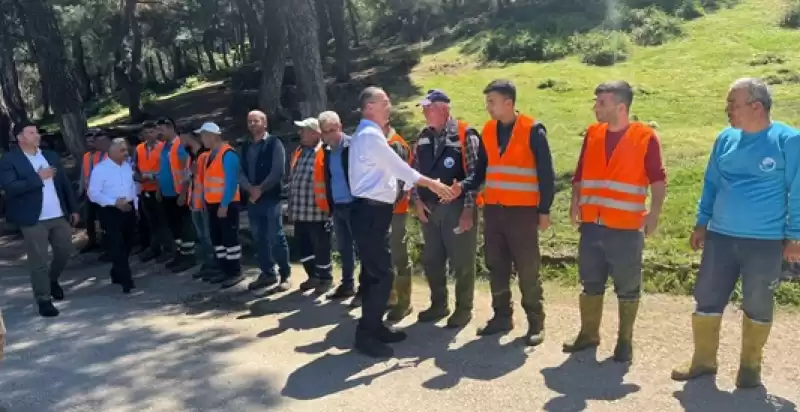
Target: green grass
point(684, 83)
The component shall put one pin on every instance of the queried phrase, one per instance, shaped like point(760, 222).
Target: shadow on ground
point(703, 395)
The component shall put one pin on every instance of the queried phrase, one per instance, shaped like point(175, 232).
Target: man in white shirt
point(374, 171)
point(41, 201)
point(111, 186)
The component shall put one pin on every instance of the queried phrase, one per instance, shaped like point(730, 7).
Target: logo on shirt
point(449, 162)
point(767, 164)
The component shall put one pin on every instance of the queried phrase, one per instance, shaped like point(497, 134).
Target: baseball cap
point(309, 123)
point(19, 127)
point(209, 127)
point(434, 96)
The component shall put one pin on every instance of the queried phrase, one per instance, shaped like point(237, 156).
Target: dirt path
point(180, 345)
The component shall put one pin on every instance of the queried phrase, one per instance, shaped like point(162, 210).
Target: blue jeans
point(344, 242)
point(266, 224)
point(205, 250)
point(724, 260)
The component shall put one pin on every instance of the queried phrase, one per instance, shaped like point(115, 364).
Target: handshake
point(446, 193)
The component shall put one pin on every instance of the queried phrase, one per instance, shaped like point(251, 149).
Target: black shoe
point(232, 281)
point(389, 335)
point(200, 274)
point(104, 257)
point(90, 247)
point(496, 325)
point(342, 292)
point(186, 263)
point(218, 278)
point(535, 335)
point(164, 257)
point(284, 286)
point(309, 284)
point(433, 314)
point(47, 310)
point(369, 345)
point(175, 261)
point(56, 292)
point(128, 287)
point(207, 276)
point(149, 255)
point(357, 300)
point(323, 287)
point(262, 283)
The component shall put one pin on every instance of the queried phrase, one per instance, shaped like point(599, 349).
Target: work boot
point(56, 291)
point(46, 309)
point(705, 331)
point(535, 335)
point(231, 281)
point(402, 306)
point(436, 312)
point(754, 337)
point(343, 291)
point(175, 261)
point(357, 300)
point(388, 335)
point(187, 262)
point(149, 255)
point(263, 282)
point(623, 352)
point(219, 277)
point(309, 284)
point(164, 257)
point(393, 295)
point(323, 287)
point(497, 324)
point(459, 318)
point(368, 344)
point(591, 308)
point(203, 269)
point(104, 257)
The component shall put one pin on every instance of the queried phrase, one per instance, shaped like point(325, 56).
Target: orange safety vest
point(149, 162)
point(511, 179)
point(90, 160)
point(613, 193)
point(196, 196)
point(320, 192)
point(402, 205)
point(214, 177)
point(177, 166)
point(463, 127)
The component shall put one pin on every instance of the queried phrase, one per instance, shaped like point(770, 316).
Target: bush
point(602, 48)
point(791, 17)
point(519, 45)
point(689, 10)
point(651, 26)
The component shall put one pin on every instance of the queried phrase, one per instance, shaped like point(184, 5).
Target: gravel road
point(179, 345)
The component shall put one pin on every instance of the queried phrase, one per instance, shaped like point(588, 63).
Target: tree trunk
point(351, 10)
point(254, 29)
point(5, 126)
point(41, 28)
point(150, 70)
point(161, 67)
point(199, 56)
point(135, 73)
point(45, 96)
point(324, 27)
point(208, 46)
point(178, 68)
point(225, 51)
point(80, 66)
point(98, 84)
point(9, 82)
point(341, 39)
point(304, 46)
point(273, 63)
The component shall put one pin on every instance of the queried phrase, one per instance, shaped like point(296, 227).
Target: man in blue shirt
point(748, 220)
point(339, 198)
point(172, 183)
point(221, 196)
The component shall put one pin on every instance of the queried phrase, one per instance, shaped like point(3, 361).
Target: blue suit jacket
point(22, 187)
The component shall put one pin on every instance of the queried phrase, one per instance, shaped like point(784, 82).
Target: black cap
point(149, 124)
point(165, 120)
point(19, 127)
point(434, 96)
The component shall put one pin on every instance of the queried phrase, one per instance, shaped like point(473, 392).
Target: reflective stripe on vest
point(196, 196)
point(320, 192)
point(613, 193)
point(177, 166)
point(214, 177)
point(149, 161)
point(402, 205)
point(511, 178)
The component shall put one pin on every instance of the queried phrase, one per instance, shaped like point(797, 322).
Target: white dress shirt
point(51, 206)
point(110, 181)
point(375, 167)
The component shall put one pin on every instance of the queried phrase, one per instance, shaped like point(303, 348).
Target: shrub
point(651, 26)
point(602, 48)
point(518, 45)
point(791, 16)
point(689, 10)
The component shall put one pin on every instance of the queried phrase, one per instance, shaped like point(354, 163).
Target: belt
point(371, 202)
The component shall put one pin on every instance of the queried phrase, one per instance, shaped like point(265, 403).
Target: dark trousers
point(119, 227)
point(266, 223)
point(314, 241)
point(603, 251)
point(371, 222)
point(179, 221)
point(160, 236)
point(224, 233)
point(91, 217)
point(511, 235)
point(344, 242)
point(143, 228)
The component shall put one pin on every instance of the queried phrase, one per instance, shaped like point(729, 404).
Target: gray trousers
point(603, 251)
point(52, 232)
point(443, 246)
point(398, 244)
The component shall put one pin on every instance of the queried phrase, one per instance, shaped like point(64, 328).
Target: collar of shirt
point(367, 123)
point(37, 153)
point(343, 142)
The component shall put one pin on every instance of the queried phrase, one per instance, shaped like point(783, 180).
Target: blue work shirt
point(230, 166)
point(340, 190)
point(751, 187)
point(166, 184)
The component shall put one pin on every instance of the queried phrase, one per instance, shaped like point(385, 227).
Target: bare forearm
point(658, 192)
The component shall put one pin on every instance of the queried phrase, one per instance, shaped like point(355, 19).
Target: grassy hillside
point(682, 86)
